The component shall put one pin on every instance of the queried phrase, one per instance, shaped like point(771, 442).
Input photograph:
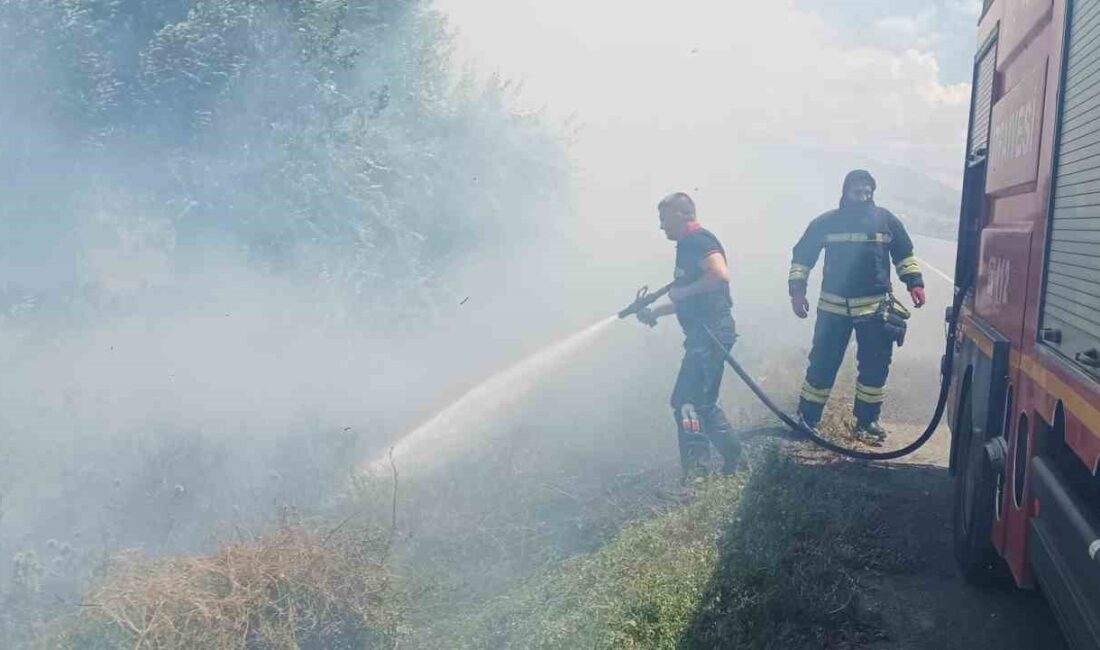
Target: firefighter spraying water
point(700, 298)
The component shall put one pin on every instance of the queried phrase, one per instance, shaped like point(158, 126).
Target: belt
point(852, 307)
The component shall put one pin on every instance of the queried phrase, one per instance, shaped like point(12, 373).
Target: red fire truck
point(1025, 408)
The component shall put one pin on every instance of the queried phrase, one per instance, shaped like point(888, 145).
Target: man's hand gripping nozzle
point(642, 301)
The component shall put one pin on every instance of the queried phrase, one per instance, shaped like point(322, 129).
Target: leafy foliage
point(329, 136)
point(154, 145)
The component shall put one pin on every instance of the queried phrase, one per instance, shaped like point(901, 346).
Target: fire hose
point(644, 298)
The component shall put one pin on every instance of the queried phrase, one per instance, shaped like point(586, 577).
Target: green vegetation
point(328, 138)
point(272, 169)
point(777, 557)
point(637, 591)
point(329, 143)
point(772, 560)
point(790, 575)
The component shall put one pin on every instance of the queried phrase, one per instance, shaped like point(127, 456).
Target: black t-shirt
point(713, 307)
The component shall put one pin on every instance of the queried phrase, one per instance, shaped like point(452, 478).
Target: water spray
point(452, 428)
point(447, 430)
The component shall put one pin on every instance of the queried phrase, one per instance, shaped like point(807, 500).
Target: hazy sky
point(887, 79)
point(946, 28)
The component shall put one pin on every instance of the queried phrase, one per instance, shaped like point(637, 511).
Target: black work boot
point(694, 446)
point(871, 433)
point(694, 452)
point(721, 434)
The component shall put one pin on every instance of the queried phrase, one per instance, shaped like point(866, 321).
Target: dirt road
point(933, 608)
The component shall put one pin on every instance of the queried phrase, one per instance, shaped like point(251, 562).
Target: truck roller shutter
point(1070, 321)
point(983, 99)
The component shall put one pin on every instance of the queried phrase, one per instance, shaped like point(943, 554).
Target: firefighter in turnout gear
point(700, 298)
point(860, 239)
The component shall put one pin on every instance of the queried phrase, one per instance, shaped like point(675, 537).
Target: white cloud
point(907, 26)
point(968, 8)
point(905, 32)
point(707, 73)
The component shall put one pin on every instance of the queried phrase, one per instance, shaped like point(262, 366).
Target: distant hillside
point(793, 182)
point(927, 206)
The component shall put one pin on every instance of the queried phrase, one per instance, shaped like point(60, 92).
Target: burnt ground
point(933, 607)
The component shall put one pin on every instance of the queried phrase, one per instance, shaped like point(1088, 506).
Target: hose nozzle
point(643, 299)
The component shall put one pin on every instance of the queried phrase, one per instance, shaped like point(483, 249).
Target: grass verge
point(777, 557)
point(772, 559)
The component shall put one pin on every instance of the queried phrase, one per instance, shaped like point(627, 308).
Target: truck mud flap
point(1064, 549)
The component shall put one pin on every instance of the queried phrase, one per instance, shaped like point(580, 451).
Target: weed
point(292, 589)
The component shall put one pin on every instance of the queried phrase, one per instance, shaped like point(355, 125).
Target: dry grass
point(837, 422)
point(292, 589)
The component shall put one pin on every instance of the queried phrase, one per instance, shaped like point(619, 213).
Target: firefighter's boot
point(721, 434)
point(694, 446)
point(871, 432)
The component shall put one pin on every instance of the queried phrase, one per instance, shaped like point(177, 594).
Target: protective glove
point(917, 294)
point(646, 316)
point(800, 306)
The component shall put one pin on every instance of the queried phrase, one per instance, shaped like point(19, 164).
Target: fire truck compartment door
point(1070, 320)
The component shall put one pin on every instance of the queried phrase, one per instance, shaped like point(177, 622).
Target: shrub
point(292, 589)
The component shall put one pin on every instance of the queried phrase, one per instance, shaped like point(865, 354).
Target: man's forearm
point(702, 285)
point(664, 309)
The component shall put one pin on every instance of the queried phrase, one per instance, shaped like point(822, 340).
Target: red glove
point(917, 293)
point(800, 306)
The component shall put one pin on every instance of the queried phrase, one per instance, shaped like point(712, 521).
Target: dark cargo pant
point(700, 422)
point(873, 354)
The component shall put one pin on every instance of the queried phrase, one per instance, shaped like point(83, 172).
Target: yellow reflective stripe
point(908, 266)
point(816, 395)
point(858, 301)
point(798, 272)
point(862, 311)
point(861, 306)
point(832, 309)
point(870, 394)
point(848, 310)
point(865, 301)
point(858, 237)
